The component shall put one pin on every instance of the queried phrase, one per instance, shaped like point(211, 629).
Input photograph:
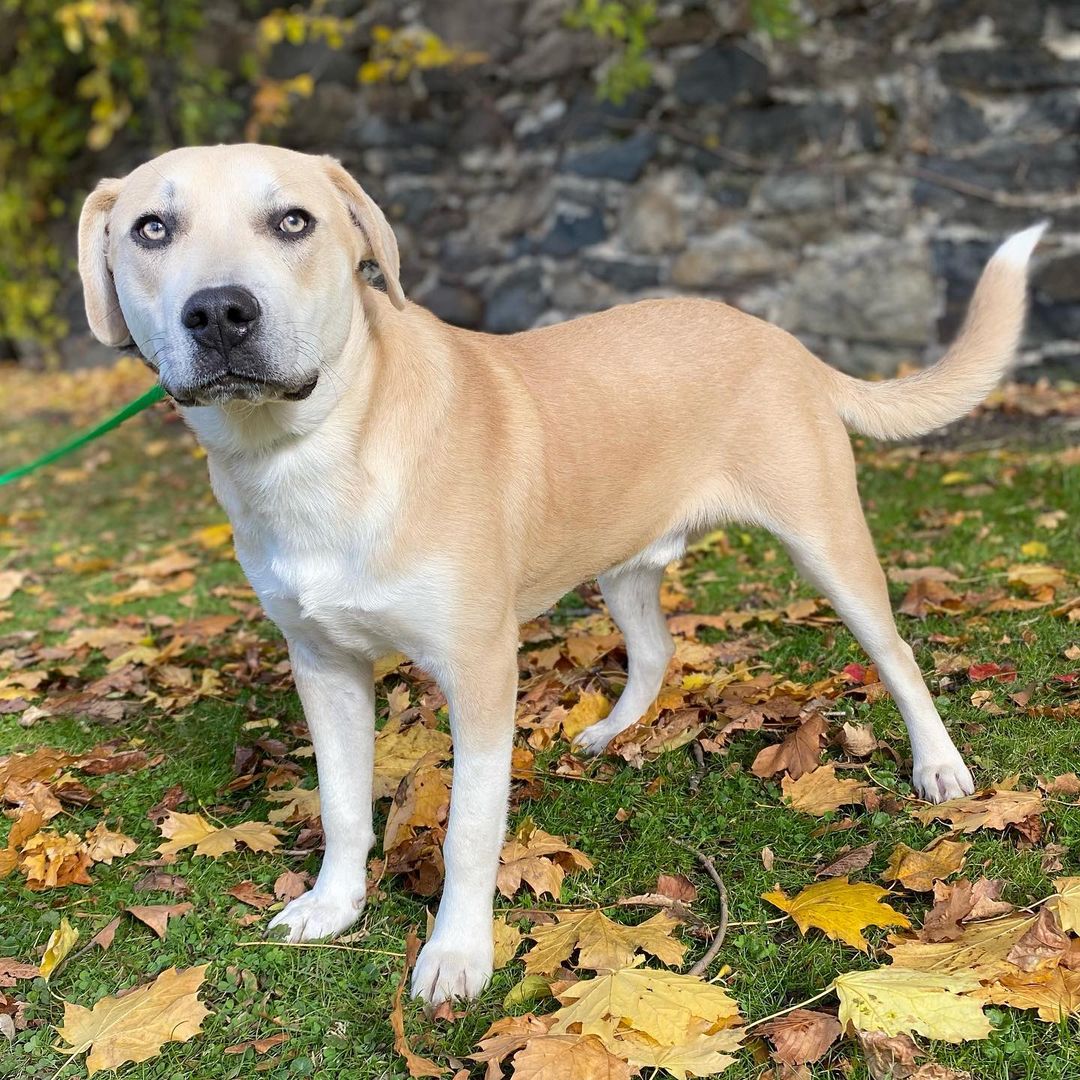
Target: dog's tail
point(916, 404)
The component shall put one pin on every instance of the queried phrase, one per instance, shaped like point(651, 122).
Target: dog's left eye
point(294, 222)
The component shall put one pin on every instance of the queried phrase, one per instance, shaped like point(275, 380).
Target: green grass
point(335, 1004)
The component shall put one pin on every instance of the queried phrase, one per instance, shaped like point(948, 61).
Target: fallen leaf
point(1054, 992)
point(568, 1057)
point(980, 951)
point(104, 937)
point(818, 792)
point(102, 845)
point(134, 1027)
point(10, 582)
point(1042, 945)
point(963, 902)
point(507, 939)
point(260, 1046)
point(417, 1065)
point(798, 754)
point(889, 1057)
point(602, 945)
point(398, 749)
point(802, 1036)
point(61, 942)
point(590, 709)
point(896, 1001)
point(859, 740)
point(839, 909)
point(50, 861)
point(676, 887)
point(927, 595)
point(539, 860)
point(157, 916)
point(991, 809)
point(297, 804)
point(193, 830)
point(11, 970)
point(918, 870)
point(289, 885)
point(848, 863)
point(1066, 903)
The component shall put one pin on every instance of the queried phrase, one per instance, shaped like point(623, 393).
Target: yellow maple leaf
point(103, 845)
point(568, 1057)
point(818, 791)
point(840, 909)
point(398, 749)
point(213, 536)
point(699, 1054)
point(603, 945)
point(590, 709)
point(538, 859)
point(507, 939)
point(995, 808)
point(297, 804)
point(1066, 904)
point(918, 870)
point(663, 1005)
point(193, 830)
point(422, 801)
point(51, 861)
point(61, 942)
point(981, 949)
point(895, 1001)
point(136, 1026)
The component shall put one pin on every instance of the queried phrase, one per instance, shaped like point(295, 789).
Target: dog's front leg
point(456, 961)
point(338, 695)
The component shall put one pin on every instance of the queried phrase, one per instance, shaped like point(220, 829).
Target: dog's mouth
point(232, 386)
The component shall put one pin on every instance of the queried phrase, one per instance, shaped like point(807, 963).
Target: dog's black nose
point(222, 317)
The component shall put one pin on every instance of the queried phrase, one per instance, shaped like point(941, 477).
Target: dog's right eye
point(151, 229)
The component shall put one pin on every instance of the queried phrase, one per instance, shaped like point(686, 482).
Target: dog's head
point(231, 268)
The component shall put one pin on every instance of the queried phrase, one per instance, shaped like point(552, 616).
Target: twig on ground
point(710, 953)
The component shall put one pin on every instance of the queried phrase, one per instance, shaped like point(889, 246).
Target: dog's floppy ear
point(370, 220)
point(99, 290)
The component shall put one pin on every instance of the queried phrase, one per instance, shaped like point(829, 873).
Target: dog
point(398, 484)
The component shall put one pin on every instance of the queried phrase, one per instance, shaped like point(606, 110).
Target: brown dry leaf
point(159, 881)
point(418, 1066)
point(398, 749)
point(848, 863)
point(247, 892)
point(1042, 945)
point(798, 754)
point(927, 595)
point(980, 951)
point(157, 916)
point(103, 845)
point(506, 1036)
point(932, 1070)
point(568, 1057)
point(422, 801)
point(918, 870)
point(591, 708)
point(1055, 992)
point(539, 860)
point(802, 1037)
point(889, 1057)
point(895, 1001)
point(602, 945)
point(260, 1046)
point(1065, 784)
point(42, 764)
point(289, 885)
point(134, 1027)
point(818, 792)
point(676, 887)
point(840, 909)
point(859, 740)
point(10, 582)
point(960, 903)
point(991, 809)
point(187, 830)
point(104, 937)
point(11, 970)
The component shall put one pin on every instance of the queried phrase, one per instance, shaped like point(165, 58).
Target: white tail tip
point(1018, 248)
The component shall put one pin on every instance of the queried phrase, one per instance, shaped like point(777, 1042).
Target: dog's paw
point(452, 969)
point(594, 740)
point(942, 777)
point(316, 914)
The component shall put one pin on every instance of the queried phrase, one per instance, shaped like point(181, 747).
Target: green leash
point(151, 396)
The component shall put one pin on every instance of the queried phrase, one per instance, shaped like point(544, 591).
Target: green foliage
point(73, 78)
point(625, 22)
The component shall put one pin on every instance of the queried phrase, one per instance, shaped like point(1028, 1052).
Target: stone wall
point(847, 185)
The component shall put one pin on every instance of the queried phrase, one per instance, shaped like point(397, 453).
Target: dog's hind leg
point(831, 545)
point(632, 592)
